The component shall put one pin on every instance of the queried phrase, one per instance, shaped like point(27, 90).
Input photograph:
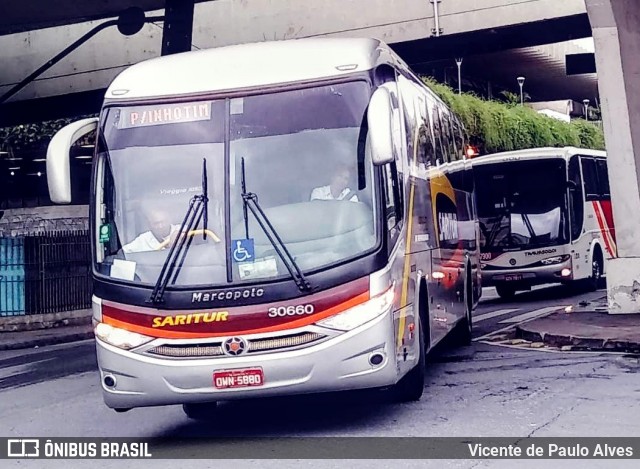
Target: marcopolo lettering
point(199, 297)
point(540, 252)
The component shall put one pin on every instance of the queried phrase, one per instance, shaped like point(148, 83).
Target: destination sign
point(142, 116)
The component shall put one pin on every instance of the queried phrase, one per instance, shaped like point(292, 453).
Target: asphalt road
point(479, 390)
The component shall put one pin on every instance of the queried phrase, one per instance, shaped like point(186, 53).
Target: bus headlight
point(358, 315)
point(119, 337)
point(555, 260)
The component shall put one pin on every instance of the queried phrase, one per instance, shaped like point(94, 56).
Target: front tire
point(411, 387)
point(597, 266)
point(464, 333)
point(506, 292)
point(205, 411)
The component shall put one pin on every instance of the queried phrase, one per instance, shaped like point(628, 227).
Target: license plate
point(513, 278)
point(241, 378)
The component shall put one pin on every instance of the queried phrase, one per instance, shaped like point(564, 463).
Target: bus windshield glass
point(522, 204)
point(304, 156)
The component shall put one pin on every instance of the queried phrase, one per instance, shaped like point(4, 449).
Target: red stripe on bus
point(607, 210)
point(601, 223)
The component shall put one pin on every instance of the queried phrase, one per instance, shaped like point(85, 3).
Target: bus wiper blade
point(170, 267)
point(251, 201)
point(527, 222)
point(205, 198)
point(191, 219)
point(496, 228)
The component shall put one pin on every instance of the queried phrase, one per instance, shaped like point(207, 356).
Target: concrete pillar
point(178, 26)
point(616, 32)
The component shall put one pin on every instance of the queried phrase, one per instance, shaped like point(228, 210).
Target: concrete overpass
point(543, 67)
point(419, 30)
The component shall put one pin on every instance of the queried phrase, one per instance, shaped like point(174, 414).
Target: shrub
point(493, 126)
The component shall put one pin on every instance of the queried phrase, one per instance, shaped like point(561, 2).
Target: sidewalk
point(38, 330)
point(585, 326)
point(42, 337)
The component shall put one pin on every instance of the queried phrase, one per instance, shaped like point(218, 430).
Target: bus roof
point(534, 153)
point(247, 66)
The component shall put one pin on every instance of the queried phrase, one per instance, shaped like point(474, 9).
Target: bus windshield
point(521, 204)
point(301, 152)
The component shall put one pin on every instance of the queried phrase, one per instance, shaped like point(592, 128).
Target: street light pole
point(586, 108)
point(459, 64)
point(521, 83)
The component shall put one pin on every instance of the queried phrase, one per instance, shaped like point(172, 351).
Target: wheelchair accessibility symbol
point(242, 250)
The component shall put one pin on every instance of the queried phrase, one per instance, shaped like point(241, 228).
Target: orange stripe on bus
point(167, 334)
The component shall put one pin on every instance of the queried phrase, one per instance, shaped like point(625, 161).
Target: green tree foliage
point(495, 126)
point(21, 137)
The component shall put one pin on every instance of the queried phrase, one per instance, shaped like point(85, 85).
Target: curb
point(579, 343)
point(41, 322)
point(44, 341)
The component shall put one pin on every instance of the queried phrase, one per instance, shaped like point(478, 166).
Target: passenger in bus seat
point(160, 230)
point(338, 188)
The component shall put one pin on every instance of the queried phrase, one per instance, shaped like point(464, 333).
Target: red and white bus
point(545, 217)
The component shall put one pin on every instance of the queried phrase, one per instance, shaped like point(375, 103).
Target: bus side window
point(425, 147)
point(576, 203)
point(393, 203)
point(603, 180)
point(590, 174)
point(438, 153)
point(458, 138)
point(426, 154)
point(448, 145)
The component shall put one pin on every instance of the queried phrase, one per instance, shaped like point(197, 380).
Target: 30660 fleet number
point(299, 310)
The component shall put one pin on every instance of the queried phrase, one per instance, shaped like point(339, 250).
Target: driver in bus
point(338, 188)
point(160, 230)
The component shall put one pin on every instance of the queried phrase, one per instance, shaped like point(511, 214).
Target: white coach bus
point(545, 217)
point(261, 226)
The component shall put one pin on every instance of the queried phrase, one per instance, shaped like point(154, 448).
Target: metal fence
point(45, 273)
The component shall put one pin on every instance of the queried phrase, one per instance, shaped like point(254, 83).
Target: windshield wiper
point(250, 200)
point(527, 223)
point(198, 207)
point(496, 228)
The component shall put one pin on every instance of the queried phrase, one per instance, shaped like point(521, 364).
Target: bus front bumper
point(340, 363)
point(528, 277)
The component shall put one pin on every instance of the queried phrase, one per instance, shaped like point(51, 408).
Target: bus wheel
point(200, 411)
point(505, 292)
point(411, 386)
point(596, 270)
point(463, 333)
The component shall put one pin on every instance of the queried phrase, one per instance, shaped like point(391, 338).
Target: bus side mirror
point(380, 122)
point(58, 172)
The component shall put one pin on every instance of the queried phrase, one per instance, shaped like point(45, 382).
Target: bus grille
point(214, 349)
point(263, 345)
point(188, 350)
